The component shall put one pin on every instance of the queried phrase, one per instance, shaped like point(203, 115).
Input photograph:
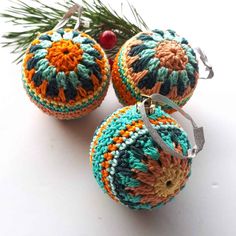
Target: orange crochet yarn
point(66, 73)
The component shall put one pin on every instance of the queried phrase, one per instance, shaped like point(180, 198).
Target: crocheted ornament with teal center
point(130, 167)
point(66, 73)
point(155, 62)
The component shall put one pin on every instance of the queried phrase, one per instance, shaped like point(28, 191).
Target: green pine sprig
point(38, 17)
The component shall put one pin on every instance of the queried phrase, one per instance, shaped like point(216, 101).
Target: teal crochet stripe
point(136, 95)
point(63, 109)
point(155, 62)
point(66, 73)
point(127, 163)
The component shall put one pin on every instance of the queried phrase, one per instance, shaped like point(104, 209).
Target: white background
point(46, 184)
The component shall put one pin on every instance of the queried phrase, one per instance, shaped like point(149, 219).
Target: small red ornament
point(108, 39)
point(110, 62)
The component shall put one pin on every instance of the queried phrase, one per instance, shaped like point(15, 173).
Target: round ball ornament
point(108, 39)
point(66, 72)
point(155, 62)
point(142, 161)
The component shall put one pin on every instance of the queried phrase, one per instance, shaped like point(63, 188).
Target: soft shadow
point(80, 132)
point(161, 221)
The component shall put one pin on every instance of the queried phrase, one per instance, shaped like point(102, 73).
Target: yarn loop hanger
point(205, 62)
point(77, 8)
point(71, 11)
point(147, 107)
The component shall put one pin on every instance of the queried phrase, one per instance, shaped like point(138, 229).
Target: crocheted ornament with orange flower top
point(66, 73)
point(130, 167)
point(155, 62)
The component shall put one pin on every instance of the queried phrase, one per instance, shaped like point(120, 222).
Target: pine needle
point(44, 17)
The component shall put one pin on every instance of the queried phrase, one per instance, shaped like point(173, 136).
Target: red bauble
point(111, 62)
point(108, 39)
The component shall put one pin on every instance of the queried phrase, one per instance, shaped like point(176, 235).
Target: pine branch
point(44, 17)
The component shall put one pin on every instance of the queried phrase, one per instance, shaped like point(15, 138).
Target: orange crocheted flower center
point(171, 55)
point(164, 179)
point(65, 55)
point(170, 181)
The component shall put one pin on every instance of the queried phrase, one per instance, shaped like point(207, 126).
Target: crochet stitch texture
point(130, 167)
point(66, 73)
point(155, 62)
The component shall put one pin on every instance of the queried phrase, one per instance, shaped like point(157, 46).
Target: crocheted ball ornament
point(155, 62)
point(66, 73)
point(130, 167)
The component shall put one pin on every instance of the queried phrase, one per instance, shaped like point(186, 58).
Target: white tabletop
point(46, 183)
